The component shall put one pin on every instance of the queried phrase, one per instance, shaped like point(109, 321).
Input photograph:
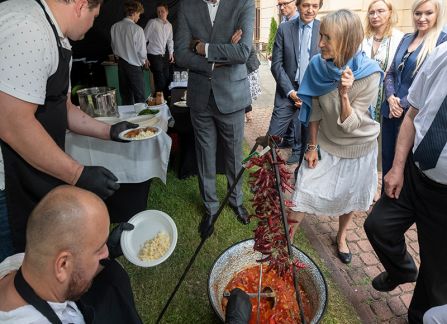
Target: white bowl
point(147, 225)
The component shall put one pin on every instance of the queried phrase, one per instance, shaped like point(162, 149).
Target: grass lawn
point(152, 286)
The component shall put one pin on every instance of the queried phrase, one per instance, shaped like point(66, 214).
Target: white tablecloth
point(132, 162)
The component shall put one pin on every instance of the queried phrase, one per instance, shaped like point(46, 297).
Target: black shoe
point(344, 257)
point(284, 145)
point(206, 227)
point(293, 159)
point(383, 282)
point(241, 214)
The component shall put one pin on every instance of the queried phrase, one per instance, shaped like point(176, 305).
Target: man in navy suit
point(295, 43)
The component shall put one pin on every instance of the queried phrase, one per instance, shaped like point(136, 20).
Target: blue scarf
point(322, 77)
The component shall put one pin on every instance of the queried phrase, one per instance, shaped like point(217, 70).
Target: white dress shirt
point(128, 42)
point(68, 312)
point(212, 9)
point(158, 34)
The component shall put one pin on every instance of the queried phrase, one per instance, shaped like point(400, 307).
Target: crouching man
point(67, 274)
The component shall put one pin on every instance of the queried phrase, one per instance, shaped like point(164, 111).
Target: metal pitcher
point(98, 101)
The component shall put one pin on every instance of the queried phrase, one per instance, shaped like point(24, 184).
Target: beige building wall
point(268, 9)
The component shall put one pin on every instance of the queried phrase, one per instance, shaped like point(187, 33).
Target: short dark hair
point(163, 4)
point(298, 2)
point(133, 6)
point(91, 3)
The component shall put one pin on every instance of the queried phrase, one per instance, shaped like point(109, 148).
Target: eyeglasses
point(379, 12)
point(280, 5)
point(401, 66)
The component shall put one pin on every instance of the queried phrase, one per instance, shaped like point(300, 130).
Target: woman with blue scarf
point(339, 91)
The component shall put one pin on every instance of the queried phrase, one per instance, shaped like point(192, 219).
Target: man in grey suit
point(295, 43)
point(213, 40)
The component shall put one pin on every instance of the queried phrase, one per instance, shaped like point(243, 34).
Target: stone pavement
point(354, 279)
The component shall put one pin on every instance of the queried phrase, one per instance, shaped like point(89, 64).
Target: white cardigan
point(396, 37)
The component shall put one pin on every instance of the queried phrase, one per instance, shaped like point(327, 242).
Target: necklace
point(377, 39)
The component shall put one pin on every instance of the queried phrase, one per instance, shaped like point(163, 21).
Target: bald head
point(62, 221)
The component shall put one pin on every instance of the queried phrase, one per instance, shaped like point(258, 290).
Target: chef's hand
point(113, 242)
point(117, 128)
point(98, 180)
point(238, 307)
point(206, 227)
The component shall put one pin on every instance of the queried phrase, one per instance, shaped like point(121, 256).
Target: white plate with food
point(152, 240)
point(140, 133)
point(181, 104)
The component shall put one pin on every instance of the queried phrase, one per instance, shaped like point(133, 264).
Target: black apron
point(26, 186)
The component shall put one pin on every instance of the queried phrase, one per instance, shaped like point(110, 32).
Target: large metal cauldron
point(241, 256)
point(98, 102)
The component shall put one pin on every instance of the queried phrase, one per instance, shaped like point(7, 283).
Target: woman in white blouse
point(380, 43)
point(381, 39)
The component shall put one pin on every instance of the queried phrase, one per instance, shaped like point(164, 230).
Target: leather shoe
point(241, 214)
point(206, 226)
point(344, 257)
point(383, 282)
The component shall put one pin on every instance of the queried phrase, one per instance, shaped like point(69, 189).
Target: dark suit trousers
point(285, 123)
point(131, 81)
point(159, 66)
point(424, 202)
point(390, 130)
point(208, 125)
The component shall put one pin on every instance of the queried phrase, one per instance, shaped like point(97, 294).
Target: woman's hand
point(395, 109)
point(346, 81)
point(312, 158)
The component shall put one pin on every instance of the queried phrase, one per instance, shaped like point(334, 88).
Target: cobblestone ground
point(354, 279)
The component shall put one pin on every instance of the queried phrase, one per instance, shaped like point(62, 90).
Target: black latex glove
point(98, 180)
point(117, 128)
point(206, 227)
point(113, 242)
point(238, 307)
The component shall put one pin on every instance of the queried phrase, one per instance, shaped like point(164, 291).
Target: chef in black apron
point(24, 184)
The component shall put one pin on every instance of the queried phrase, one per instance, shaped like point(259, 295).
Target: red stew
point(285, 310)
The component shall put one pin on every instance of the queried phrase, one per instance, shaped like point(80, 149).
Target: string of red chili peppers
point(269, 234)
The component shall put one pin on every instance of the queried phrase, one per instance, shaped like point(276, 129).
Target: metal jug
point(98, 101)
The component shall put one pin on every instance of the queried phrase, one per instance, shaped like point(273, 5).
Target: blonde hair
point(346, 34)
point(432, 35)
point(392, 21)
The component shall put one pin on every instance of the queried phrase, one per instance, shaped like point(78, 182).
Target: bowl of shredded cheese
point(152, 240)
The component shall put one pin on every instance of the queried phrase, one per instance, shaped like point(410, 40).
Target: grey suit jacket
point(286, 57)
point(229, 83)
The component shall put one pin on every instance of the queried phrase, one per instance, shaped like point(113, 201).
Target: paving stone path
point(354, 279)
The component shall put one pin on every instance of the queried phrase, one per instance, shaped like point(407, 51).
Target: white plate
point(181, 104)
point(108, 120)
point(147, 224)
point(121, 135)
point(140, 119)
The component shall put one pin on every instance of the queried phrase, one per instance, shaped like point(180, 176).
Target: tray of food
point(140, 133)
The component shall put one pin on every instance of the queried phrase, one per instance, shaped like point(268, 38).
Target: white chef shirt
point(28, 53)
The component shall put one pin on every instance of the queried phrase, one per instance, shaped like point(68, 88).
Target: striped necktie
point(429, 149)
